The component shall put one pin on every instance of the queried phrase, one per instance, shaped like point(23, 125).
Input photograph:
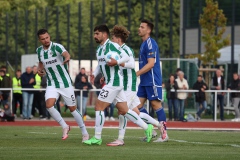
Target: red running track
point(201, 125)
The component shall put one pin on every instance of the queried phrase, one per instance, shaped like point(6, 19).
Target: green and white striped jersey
point(52, 59)
point(129, 75)
point(112, 75)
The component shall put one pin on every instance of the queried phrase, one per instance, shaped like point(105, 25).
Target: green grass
point(33, 143)
point(91, 113)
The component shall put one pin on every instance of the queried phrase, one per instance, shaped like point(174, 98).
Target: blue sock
point(161, 115)
point(143, 110)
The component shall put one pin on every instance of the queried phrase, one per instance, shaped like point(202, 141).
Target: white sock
point(78, 118)
point(99, 122)
point(122, 127)
point(57, 117)
point(148, 119)
point(132, 116)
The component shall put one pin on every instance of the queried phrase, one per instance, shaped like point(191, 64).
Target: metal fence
point(227, 106)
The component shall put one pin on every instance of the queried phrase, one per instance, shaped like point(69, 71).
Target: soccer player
point(119, 36)
point(150, 86)
point(53, 59)
point(113, 90)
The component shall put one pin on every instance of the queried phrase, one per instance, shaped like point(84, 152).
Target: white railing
point(94, 90)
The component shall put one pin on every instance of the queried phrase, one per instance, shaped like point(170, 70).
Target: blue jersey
point(149, 49)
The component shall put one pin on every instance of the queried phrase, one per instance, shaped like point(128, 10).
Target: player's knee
point(97, 107)
point(123, 111)
point(49, 104)
point(72, 108)
point(136, 110)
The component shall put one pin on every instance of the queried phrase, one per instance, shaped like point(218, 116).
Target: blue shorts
point(150, 92)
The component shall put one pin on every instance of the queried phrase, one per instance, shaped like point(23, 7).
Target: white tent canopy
point(226, 54)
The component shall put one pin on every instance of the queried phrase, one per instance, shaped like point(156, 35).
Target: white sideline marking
point(207, 143)
point(175, 140)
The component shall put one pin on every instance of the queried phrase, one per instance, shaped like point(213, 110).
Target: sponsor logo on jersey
point(101, 60)
point(51, 62)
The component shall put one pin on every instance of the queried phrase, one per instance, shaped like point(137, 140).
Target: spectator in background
point(182, 85)
point(171, 88)
point(177, 73)
point(83, 84)
point(200, 96)
point(37, 94)
point(98, 83)
point(17, 94)
point(42, 99)
point(80, 74)
point(27, 81)
point(218, 83)
point(78, 81)
point(5, 83)
point(5, 113)
point(235, 85)
point(5, 69)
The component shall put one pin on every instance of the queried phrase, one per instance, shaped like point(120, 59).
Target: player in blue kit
point(150, 86)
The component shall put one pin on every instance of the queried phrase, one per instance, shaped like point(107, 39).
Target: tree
point(42, 13)
point(213, 23)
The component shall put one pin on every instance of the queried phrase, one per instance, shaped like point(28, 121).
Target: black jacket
point(97, 83)
point(6, 82)
point(78, 78)
point(200, 95)
point(215, 82)
point(25, 78)
point(171, 95)
point(80, 85)
point(235, 85)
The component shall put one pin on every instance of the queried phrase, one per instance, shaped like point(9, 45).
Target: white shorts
point(132, 99)
point(110, 94)
point(66, 93)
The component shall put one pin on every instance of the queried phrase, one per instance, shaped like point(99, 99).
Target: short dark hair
point(171, 75)
point(102, 28)
point(3, 67)
point(235, 73)
point(178, 69)
point(42, 31)
point(200, 75)
point(19, 70)
point(149, 24)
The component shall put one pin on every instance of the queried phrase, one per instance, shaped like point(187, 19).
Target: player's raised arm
point(40, 69)
point(67, 56)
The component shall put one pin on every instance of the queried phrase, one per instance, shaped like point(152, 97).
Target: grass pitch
point(44, 143)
